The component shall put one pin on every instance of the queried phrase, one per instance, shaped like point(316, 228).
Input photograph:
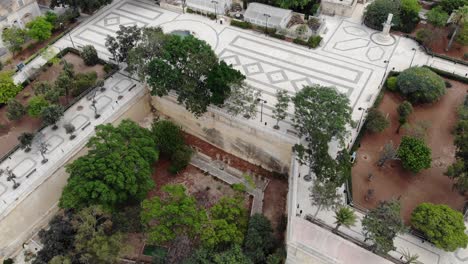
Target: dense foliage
point(36, 105)
point(86, 6)
point(8, 89)
point(376, 121)
point(421, 85)
point(14, 38)
point(259, 241)
point(89, 55)
point(15, 110)
point(415, 155)
point(116, 169)
point(377, 12)
point(39, 29)
point(442, 225)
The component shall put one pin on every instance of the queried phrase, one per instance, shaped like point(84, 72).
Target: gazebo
point(272, 17)
point(218, 7)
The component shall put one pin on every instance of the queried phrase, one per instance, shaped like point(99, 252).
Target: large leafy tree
point(232, 255)
point(421, 85)
point(437, 17)
point(51, 115)
point(376, 121)
point(409, 15)
point(173, 214)
point(259, 241)
point(167, 136)
point(415, 155)
point(116, 169)
point(451, 5)
point(442, 225)
point(321, 114)
point(39, 29)
point(126, 38)
point(382, 224)
point(377, 12)
point(8, 88)
point(14, 38)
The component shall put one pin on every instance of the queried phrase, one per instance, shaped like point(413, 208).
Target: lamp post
point(216, 9)
point(261, 108)
point(412, 59)
point(385, 74)
point(73, 43)
point(362, 115)
point(266, 22)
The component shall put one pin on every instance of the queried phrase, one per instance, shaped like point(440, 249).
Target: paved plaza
point(347, 59)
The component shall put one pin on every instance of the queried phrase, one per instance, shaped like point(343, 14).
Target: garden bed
point(393, 182)
point(10, 130)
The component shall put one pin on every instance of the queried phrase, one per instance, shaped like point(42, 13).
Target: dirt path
point(392, 181)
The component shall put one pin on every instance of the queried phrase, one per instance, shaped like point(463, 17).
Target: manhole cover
point(79, 108)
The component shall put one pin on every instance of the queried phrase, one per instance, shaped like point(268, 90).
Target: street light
point(414, 54)
point(216, 9)
point(362, 115)
point(261, 108)
point(385, 74)
point(266, 22)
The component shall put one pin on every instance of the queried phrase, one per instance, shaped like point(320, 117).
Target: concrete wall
point(35, 211)
point(257, 145)
point(337, 9)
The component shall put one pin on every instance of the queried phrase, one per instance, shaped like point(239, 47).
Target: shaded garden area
point(435, 124)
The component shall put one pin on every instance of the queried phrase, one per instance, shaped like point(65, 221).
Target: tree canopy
point(415, 155)
point(377, 12)
point(39, 29)
point(437, 17)
point(116, 169)
point(442, 225)
point(382, 224)
point(259, 241)
point(86, 6)
point(421, 85)
point(14, 38)
point(451, 5)
point(8, 89)
point(376, 121)
point(126, 38)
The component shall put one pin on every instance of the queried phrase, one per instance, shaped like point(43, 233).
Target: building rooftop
point(258, 11)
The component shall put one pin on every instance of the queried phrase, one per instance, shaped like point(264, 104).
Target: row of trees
point(86, 6)
point(459, 170)
point(187, 66)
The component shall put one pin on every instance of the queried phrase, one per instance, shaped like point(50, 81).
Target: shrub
point(392, 84)
point(51, 115)
point(376, 121)
point(449, 75)
point(241, 24)
point(8, 89)
point(168, 136)
point(108, 68)
point(421, 85)
point(442, 225)
point(39, 29)
point(239, 187)
point(15, 110)
point(82, 82)
point(36, 105)
point(180, 159)
point(89, 55)
point(415, 155)
point(424, 36)
point(278, 36)
point(377, 12)
point(450, 5)
point(314, 41)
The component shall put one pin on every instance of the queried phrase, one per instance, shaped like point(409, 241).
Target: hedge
point(448, 75)
point(241, 24)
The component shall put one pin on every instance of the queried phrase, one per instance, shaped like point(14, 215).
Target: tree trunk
point(452, 38)
point(318, 210)
point(336, 227)
point(398, 129)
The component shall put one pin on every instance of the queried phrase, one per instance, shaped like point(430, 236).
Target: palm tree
point(410, 258)
point(344, 216)
point(459, 17)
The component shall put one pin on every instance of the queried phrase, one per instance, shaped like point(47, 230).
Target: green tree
point(281, 107)
point(259, 241)
point(167, 136)
point(94, 241)
point(458, 171)
point(377, 12)
point(462, 37)
point(25, 140)
point(437, 17)
point(243, 101)
point(404, 110)
point(442, 225)
point(36, 105)
point(126, 38)
point(459, 18)
point(86, 6)
point(51, 115)
point(292, 3)
point(51, 17)
point(116, 169)
point(415, 155)
point(382, 224)
point(344, 216)
point(233, 255)
point(376, 121)
point(451, 5)
point(180, 159)
point(15, 109)
point(173, 214)
point(14, 38)
point(421, 85)
point(324, 195)
point(219, 82)
point(8, 89)
point(39, 29)
point(227, 223)
point(409, 15)
point(89, 55)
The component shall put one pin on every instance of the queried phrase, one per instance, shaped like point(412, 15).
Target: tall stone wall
point(261, 146)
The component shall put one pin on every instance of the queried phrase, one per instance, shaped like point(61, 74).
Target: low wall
point(338, 9)
point(35, 211)
point(258, 145)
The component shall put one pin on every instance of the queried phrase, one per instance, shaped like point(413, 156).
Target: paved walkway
point(212, 169)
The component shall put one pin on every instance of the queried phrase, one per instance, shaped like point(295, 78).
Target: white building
point(219, 7)
point(16, 13)
point(261, 15)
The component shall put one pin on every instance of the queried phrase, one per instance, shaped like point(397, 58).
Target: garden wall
point(257, 145)
point(35, 211)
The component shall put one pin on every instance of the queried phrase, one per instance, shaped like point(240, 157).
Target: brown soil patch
point(274, 202)
point(391, 180)
point(12, 129)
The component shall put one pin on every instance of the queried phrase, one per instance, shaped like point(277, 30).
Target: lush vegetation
point(89, 55)
point(86, 6)
point(442, 225)
point(420, 85)
point(415, 155)
point(376, 121)
point(8, 89)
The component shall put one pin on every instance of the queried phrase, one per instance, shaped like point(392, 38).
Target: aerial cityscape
point(234, 131)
